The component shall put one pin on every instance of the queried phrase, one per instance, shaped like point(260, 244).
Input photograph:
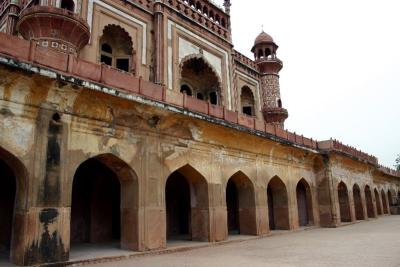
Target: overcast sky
point(341, 75)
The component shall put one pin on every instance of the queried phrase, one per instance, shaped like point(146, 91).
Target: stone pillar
point(218, 213)
point(327, 197)
point(159, 42)
point(46, 224)
point(352, 206)
point(12, 17)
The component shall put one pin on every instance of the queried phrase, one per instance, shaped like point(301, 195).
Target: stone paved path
point(370, 243)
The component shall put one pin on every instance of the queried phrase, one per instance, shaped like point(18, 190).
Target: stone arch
point(344, 202)
point(247, 101)
point(358, 205)
point(304, 203)
point(13, 197)
point(278, 205)
point(105, 202)
point(116, 48)
point(378, 202)
point(384, 203)
point(187, 205)
point(369, 203)
point(205, 81)
point(241, 205)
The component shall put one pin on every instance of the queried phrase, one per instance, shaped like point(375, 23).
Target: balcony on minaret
point(55, 27)
point(269, 66)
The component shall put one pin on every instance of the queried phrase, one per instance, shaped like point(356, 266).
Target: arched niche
point(187, 205)
point(105, 204)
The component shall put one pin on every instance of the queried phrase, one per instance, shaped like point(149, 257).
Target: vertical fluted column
point(159, 41)
point(12, 17)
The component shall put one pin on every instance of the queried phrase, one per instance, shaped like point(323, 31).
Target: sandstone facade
point(179, 137)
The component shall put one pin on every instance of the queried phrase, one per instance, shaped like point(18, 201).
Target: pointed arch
point(344, 202)
point(247, 101)
point(205, 81)
point(368, 200)
point(241, 205)
point(358, 205)
point(278, 205)
point(304, 203)
point(187, 205)
point(105, 202)
point(116, 48)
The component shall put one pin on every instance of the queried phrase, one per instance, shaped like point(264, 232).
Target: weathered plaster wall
point(143, 146)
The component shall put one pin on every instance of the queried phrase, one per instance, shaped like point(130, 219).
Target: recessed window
point(186, 90)
point(247, 101)
point(68, 5)
point(214, 98)
point(116, 48)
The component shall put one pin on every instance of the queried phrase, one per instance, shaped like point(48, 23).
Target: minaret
point(269, 65)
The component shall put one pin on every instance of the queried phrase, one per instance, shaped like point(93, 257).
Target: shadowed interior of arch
point(7, 199)
point(368, 200)
point(304, 203)
point(278, 210)
point(240, 205)
point(203, 80)
point(247, 101)
point(358, 206)
point(104, 206)
point(187, 208)
point(378, 202)
point(384, 202)
point(344, 203)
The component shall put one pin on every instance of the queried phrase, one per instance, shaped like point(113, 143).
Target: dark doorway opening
point(344, 203)
point(358, 207)
point(378, 202)
point(241, 206)
point(95, 211)
point(304, 203)
point(177, 196)
point(278, 205)
point(186, 205)
point(370, 205)
point(384, 203)
point(7, 199)
point(232, 206)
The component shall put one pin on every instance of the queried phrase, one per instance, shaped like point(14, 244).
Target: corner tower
point(54, 24)
point(269, 65)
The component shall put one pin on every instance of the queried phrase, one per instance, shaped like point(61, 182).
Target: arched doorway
point(7, 199)
point(204, 81)
point(186, 203)
point(370, 205)
point(104, 204)
point(247, 101)
point(240, 205)
point(116, 48)
point(378, 202)
point(278, 210)
point(344, 203)
point(304, 203)
point(358, 206)
point(384, 202)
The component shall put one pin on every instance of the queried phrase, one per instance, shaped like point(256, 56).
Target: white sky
point(341, 75)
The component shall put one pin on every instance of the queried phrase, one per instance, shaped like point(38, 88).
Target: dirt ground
point(369, 243)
